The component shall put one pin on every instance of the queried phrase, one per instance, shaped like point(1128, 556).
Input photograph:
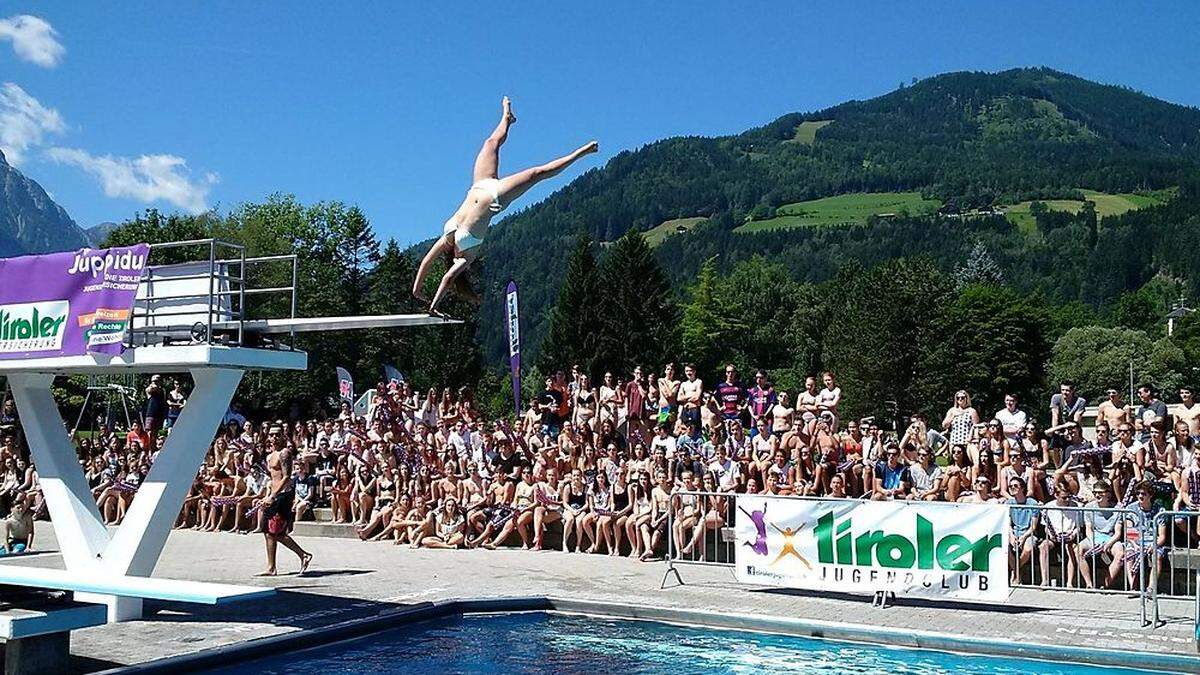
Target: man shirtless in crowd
point(635, 404)
point(691, 395)
point(1113, 410)
point(668, 395)
point(808, 400)
point(827, 449)
point(277, 506)
point(1189, 411)
point(781, 416)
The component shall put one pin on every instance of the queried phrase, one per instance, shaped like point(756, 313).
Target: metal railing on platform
point(202, 298)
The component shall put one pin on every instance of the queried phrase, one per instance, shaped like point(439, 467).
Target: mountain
point(30, 221)
point(97, 233)
point(969, 141)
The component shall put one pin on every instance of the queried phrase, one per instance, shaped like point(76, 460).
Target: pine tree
point(358, 252)
point(571, 338)
point(388, 293)
point(638, 321)
point(979, 268)
point(708, 320)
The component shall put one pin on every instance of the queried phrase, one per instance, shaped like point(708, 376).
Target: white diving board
point(328, 323)
point(147, 588)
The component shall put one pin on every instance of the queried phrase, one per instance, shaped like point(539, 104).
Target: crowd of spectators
point(598, 469)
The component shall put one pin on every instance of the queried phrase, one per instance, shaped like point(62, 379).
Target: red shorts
point(278, 525)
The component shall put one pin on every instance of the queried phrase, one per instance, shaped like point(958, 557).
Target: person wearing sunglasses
point(1023, 524)
point(926, 478)
point(1101, 549)
point(1148, 535)
point(961, 419)
point(892, 478)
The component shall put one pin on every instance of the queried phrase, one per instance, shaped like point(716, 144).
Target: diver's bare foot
point(266, 573)
point(304, 561)
point(589, 148)
point(508, 113)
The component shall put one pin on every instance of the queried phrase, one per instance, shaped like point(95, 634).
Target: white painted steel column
point(77, 523)
point(136, 545)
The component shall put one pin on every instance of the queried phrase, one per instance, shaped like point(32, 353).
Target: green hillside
point(970, 140)
point(1106, 205)
point(806, 132)
point(656, 235)
point(851, 209)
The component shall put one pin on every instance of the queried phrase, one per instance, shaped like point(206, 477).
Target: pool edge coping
point(306, 638)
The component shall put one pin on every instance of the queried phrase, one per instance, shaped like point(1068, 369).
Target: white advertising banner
point(929, 549)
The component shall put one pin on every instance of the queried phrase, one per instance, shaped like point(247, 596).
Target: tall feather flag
point(345, 385)
point(392, 375)
point(512, 319)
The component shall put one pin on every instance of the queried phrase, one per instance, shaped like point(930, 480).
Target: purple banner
point(512, 319)
point(70, 303)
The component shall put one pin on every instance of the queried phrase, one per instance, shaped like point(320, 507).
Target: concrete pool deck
point(352, 580)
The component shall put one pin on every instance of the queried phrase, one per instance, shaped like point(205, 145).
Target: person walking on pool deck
point(489, 194)
point(277, 505)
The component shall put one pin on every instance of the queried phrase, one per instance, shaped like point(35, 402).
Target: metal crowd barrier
point(1061, 555)
point(1060, 542)
point(1178, 560)
point(706, 524)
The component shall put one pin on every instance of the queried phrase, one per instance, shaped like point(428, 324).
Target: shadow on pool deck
point(909, 601)
point(287, 608)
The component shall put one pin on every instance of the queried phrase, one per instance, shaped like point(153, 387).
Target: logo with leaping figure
point(759, 545)
point(789, 545)
point(759, 518)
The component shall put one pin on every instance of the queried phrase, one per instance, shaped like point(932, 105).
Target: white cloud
point(148, 178)
point(33, 39)
point(24, 122)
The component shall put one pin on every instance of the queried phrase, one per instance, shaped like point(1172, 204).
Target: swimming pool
point(543, 642)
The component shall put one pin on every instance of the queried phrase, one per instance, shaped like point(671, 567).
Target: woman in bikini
point(622, 507)
point(656, 529)
point(489, 194)
point(715, 508)
point(362, 503)
point(585, 404)
point(599, 517)
point(574, 500)
point(393, 525)
point(687, 514)
point(339, 498)
point(637, 527)
point(521, 516)
point(959, 473)
point(548, 507)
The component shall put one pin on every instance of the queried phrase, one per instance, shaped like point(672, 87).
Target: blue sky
point(193, 105)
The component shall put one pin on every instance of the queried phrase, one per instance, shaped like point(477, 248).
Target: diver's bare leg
point(459, 266)
point(487, 164)
point(515, 185)
point(438, 249)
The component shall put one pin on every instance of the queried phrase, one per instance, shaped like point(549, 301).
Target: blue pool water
point(539, 642)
